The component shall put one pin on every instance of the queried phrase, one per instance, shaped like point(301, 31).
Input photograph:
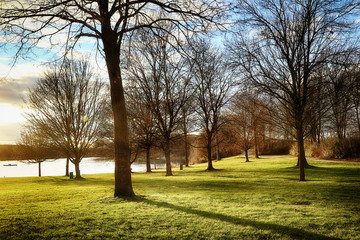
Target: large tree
point(68, 107)
point(109, 22)
point(283, 45)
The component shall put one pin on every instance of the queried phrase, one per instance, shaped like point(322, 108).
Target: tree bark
point(301, 157)
point(123, 184)
point(39, 169)
point(209, 149)
point(77, 169)
point(167, 157)
point(304, 157)
point(357, 117)
point(246, 155)
point(256, 145)
point(148, 164)
point(186, 149)
point(67, 167)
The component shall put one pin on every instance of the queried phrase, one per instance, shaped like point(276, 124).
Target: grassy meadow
point(262, 199)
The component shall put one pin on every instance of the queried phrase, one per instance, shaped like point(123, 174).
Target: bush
point(276, 147)
point(331, 148)
point(345, 148)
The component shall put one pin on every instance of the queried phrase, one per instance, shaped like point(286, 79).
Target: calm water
point(57, 167)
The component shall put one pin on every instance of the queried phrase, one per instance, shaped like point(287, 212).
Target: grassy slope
point(257, 200)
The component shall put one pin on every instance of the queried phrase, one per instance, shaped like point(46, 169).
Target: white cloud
point(21, 71)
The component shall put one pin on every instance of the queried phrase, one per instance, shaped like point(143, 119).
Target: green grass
point(262, 199)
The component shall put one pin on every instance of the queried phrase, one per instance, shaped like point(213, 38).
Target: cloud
point(15, 81)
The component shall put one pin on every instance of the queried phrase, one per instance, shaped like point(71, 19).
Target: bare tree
point(35, 147)
point(67, 106)
point(142, 123)
point(254, 106)
point(109, 22)
point(213, 82)
point(247, 117)
point(159, 72)
point(186, 112)
point(355, 92)
point(340, 88)
point(242, 120)
point(340, 100)
point(288, 42)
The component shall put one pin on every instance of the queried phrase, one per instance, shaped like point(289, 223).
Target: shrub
point(331, 148)
point(276, 147)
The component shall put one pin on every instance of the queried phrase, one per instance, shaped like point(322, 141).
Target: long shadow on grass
point(294, 233)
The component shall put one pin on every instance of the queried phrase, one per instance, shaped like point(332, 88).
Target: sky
point(15, 80)
point(14, 83)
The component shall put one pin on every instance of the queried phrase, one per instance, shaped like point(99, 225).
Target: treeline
point(17, 152)
point(21, 152)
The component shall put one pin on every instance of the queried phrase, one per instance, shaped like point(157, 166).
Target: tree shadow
point(213, 170)
point(293, 233)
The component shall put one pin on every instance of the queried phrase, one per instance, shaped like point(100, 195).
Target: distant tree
point(109, 22)
point(281, 47)
point(243, 119)
point(35, 146)
point(213, 82)
point(185, 117)
point(339, 85)
point(142, 123)
point(67, 107)
point(157, 70)
point(355, 92)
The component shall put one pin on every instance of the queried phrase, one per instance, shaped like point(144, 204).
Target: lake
point(56, 167)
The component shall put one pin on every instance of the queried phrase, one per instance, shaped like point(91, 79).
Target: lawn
point(262, 199)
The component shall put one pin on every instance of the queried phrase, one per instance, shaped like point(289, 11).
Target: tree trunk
point(357, 118)
point(77, 169)
point(246, 154)
point(123, 184)
point(67, 167)
point(256, 147)
point(301, 157)
point(306, 164)
point(39, 169)
point(148, 165)
point(218, 156)
point(186, 150)
point(210, 165)
point(167, 157)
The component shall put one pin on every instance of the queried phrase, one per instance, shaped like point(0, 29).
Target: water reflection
point(56, 167)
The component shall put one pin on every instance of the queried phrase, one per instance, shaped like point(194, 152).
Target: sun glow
point(10, 114)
